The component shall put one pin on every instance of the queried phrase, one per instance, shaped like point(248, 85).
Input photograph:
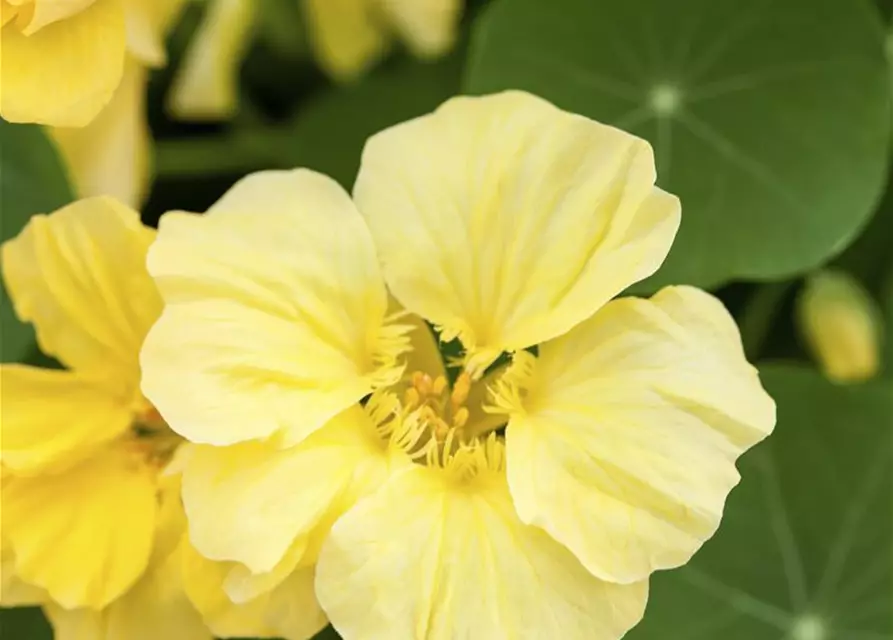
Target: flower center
point(439, 408)
point(150, 441)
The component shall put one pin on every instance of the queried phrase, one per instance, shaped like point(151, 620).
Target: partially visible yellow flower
point(206, 84)
point(91, 526)
point(63, 60)
point(533, 500)
point(350, 35)
point(110, 156)
point(842, 326)
point(347, 37)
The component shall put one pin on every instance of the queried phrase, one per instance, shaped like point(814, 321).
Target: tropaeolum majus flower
point(527, 500)
point(64, 59)
point(92, 526)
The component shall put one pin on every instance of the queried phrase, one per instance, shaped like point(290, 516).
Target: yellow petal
point(156, 607)
point(110, 156)
point(13, 591)
point(64, 74)
point(39, 13)
point(425, 557)
point(147, 23)
point(79, 275)
point(203, 580)
point(237, 509)
point(84, 535)
point(624, 449)
point(346, 35)
point(275, 319)
point(427, 26)
point(54, 418)
point(206, 85)
point(508, 221)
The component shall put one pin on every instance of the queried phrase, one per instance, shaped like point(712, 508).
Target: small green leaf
point(32, 180)
point(805, 548)
point(329, 133)
point(770, 120)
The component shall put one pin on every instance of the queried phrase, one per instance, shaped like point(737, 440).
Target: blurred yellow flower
point(92, 528)
point(347, 37)
point(534, 499)
point(62, 61)
point(841, 324)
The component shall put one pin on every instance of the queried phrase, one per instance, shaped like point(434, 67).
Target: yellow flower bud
point(841, 325)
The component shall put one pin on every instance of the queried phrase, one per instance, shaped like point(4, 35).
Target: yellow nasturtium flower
point(527, 501)
point(842, 326)
point(110, 155)
point(347, 37)
point(61, 60)
point(92, 527)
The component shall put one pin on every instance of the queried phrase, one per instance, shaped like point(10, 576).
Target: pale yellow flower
point(110, 156)
point(91, 527)
point(533, 500)
point(347, 37)
point(842, 326)
point(63, 59)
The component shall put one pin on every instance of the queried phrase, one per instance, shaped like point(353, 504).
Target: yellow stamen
point(461, 390)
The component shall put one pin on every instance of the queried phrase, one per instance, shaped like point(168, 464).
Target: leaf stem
point(248, 149)
point(759, 314)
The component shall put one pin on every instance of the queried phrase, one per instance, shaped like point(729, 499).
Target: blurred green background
point(770, 118)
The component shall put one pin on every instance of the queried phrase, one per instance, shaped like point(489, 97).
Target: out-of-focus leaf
point(329, 133)
point(32, 180)
point(805, 549)
point(24, 624)
point(770, 119)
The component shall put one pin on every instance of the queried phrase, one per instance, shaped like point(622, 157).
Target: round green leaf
point(769, 119)
point(805, 548)
point(32, 180)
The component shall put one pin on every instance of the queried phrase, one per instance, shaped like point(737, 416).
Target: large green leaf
point(329, 133)
point(769, 118)
point(805, 549)
point(32, 180)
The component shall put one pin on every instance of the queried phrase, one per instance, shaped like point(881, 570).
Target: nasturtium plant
point(770, 120)
point(805, 549)
point(32, 180)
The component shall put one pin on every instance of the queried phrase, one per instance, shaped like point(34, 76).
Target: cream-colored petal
point(292, 609)
point(426, 558)
point(147, 24)
point(52, 419)
point(276, 309)
point(508, 221)
point(203, 580)
point(346, 35)
point(110, 156)
point(624, 449)
point(79, 275)
point(64, 74)
point(234, 498)
point(207, 83)
point(427, 26)
point(85, 535)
